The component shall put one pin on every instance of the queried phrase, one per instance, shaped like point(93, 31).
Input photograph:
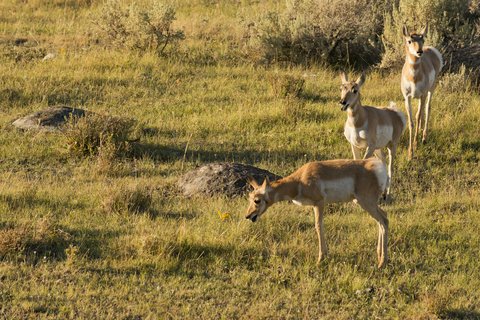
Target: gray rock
point(221, 178)
point(50, 119)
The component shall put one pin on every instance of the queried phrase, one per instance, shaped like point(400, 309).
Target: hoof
point(321, 258)
point(386, 199)
point(410, 155)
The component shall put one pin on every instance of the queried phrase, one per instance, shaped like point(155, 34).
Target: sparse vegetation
point(103, 234)
point(128, 199)
point(329, 32)
point(146, 26)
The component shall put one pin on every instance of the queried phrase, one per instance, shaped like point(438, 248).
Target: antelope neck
point(357, 114)
point(283, 190)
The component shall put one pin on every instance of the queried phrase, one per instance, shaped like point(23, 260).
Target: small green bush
point(146, 27)
point(94, 134)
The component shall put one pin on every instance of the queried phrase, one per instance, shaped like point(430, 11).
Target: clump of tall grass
point(286, 86)
point(43, 238)
point(135, 198)
point(97, 134)
point(139, 27)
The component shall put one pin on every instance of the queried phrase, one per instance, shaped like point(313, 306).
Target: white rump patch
point(439, 55)
point(384, 135)
point(338, 190)
point(393, 107)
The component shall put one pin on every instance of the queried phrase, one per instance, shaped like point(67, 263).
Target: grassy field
point(66, 253)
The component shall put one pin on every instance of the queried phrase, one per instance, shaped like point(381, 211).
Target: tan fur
point(419, 74)
point(370, 128)
point(318, 183)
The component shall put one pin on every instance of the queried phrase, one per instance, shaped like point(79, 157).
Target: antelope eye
point(354, 90)
point(409, 41)
point(257, 201)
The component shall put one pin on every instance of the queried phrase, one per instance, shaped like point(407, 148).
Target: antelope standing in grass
point(421, 68)
point(370, 128)
point(317, 183)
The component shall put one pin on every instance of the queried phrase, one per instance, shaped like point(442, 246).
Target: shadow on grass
point(458, 314)
point(172, 215)
point(158, 152)
point(31, 200)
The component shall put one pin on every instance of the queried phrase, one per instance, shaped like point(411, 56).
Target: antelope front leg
point(356, 152)
point(427, 116)
point(408, 107)
point(322, 244)
point(418, 127)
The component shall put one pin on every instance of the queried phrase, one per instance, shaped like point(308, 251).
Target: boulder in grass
point(221, 178)
point(50, 119)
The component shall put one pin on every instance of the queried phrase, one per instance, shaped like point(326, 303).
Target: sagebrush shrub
point(333, 32)
point(452, 23)
point(146, 27)
point(452, 82)
point(97, 133)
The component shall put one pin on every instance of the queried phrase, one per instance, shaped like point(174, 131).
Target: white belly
point(356, 136)
point(419, 89)
point(299, 201)
point(338, 190)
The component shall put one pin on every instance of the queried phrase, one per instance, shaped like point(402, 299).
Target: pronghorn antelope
point(421, 68)
point(370, 127)
point(317, 183)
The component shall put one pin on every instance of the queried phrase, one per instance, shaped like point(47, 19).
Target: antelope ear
point(266, 182)
point(252, 182)
point(343, 76)
point(361, 79)
point(405, 31)
point(425, 30)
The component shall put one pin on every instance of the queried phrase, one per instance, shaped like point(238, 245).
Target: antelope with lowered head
point(370, 128)
point(419, 74)
point(317, 183)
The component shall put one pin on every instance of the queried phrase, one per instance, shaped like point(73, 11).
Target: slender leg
point(322, 244)
point(421, 106)
point(369, 152)
point(427, 116)
point(408, 107)
point(356, 152)
point(391, 157)
point(381, 217)
point(380, 154)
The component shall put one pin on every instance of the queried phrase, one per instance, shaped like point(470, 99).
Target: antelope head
point(350, 94)
point(258, 199)
point(414, 41)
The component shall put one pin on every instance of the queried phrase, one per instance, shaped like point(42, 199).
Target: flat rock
point(49, 119)
point(221, 178)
